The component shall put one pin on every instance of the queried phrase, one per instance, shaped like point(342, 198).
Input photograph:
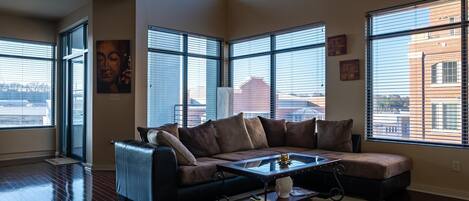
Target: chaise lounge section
point(146, 171)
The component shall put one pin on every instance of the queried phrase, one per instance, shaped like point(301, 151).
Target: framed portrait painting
point(114, 72)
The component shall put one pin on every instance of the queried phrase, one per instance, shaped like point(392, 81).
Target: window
point(415, 82)
point(445, 73)
point(26, 84)
point(445, 116)
point(280, 76)
point(182, 77)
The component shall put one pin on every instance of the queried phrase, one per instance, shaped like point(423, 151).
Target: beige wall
point(25, 143)
point(113, 114)
point(432, 165)
point(202, 16)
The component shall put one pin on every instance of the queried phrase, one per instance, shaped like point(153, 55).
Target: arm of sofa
point(145, 171)
point(356, 143)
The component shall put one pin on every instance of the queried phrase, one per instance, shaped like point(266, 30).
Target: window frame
point(272, 54)
point(462, 77)
point(53, 46)
point(185, 54)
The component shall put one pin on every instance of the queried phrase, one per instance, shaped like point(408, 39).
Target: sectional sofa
point(179, 164)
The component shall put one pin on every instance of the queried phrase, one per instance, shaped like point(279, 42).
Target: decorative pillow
point(232, 134)
point(183, 155)
point(256, 133)
point(200, 140)
point(335, 135)
point(170, 128)
point(275, 131)
point(301, 134)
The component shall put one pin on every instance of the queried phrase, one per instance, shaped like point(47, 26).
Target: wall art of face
point(112, 63)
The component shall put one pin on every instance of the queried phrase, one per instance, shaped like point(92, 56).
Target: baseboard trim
point(446, 192)
point(26, 155)
point(102, 167)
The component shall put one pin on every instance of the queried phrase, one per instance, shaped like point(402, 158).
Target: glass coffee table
point(267, 169)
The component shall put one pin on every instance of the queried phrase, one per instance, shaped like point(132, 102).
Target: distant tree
point(392, 103)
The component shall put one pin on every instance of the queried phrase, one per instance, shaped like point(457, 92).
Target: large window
point(182, 77)
point(417, 73)
point(26, 84)
point(281, 75)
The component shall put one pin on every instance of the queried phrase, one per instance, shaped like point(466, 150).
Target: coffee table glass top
point(270, 165)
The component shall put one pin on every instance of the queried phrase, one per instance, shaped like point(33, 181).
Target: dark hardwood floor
point(40, 181)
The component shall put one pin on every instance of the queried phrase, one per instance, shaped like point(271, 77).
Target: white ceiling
point(45, 9)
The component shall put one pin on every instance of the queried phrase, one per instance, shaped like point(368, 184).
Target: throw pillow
point(256, 133)
point(275, 131)
point(335, 135)
point(232, 134)
point(301, 134)
point(200, 140)
point(183, 155)
point(170, 128)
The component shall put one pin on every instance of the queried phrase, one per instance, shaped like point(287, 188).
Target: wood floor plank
point(41, 181)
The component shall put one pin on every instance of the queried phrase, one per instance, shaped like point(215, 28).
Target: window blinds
point(182, 78)
point(415, 65)
point(280, 76)
point(26, 84)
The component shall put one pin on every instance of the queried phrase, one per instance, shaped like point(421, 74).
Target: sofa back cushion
point(275, 130)
point(301, 134)
point(183, 155)
point(232, 134)
point(335, 135)
point(170, 128)
point(256, 133)
point(200, 140)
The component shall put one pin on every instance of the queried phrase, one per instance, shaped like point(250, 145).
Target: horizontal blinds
point(203, 46)
point(167, 71)
point(202, 90)
point(300, 85)
point(26, 49)
point(305, 37)
point(434, 13)
point(164, 89)
point(298, 73)
point(165, 41)
point(26, 84)
point(416, 76)
point(258, 45)
point(251, 86)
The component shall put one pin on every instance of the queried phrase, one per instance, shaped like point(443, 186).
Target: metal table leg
point(337, 193)
point(220, 175)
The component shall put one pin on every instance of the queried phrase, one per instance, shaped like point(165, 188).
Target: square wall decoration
point(337, 45)
point(350, 70)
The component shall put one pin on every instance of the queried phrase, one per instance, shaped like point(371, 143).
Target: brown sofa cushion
point(369, 165)
point(275, 131)
point(256, 133)
point(183, 155)
point(232, 134)
point(244, 155)
point(281, 150)
point(203, 172)
point(301, 134)
point(335, 135)
point(170, 128)
point(200, 140)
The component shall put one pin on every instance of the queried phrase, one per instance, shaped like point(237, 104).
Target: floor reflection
point(45, 182)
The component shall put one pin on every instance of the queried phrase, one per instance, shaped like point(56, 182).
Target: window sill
point(27, 128)
point(423, 144)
